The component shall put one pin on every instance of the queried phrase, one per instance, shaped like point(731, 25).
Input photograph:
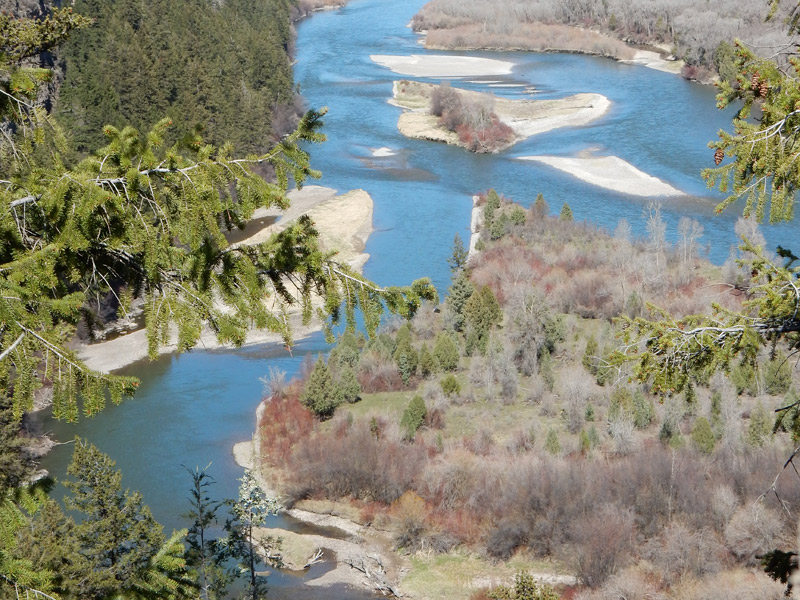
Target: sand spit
point(344, 223)
point(609, 172)
point(424, 65)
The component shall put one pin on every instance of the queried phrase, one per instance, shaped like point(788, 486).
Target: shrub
point(605, 539)
point(525, 588)
point(759, 427)
point(450, 385)
point(282, 423)
point(777, 375)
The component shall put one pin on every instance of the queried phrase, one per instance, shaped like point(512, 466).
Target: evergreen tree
point(644, 411)
point(551, 443)
point(702, 436)
point(117, 535)
point(566, 213)
point(321, 395)
point(427, 362)
point(450, 385)
point(445, 351)
point(458, 257)
point(539, 210)
point(347, 382)
point(759, 427)
point(481, 313)
point(457, 297)
point(204, 555)
point(406, 358)
point(413, 417)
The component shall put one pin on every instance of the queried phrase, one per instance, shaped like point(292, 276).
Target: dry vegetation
point(696, 34)
point(530, 446)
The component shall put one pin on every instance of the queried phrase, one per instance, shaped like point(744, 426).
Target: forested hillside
point(223, 65)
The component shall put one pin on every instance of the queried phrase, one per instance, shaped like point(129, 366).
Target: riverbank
point(344, 223)
point(526, 118)
point(363, 556)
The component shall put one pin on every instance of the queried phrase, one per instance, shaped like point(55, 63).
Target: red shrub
point(282, 423)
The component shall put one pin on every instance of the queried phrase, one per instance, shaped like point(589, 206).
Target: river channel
point(191, 409)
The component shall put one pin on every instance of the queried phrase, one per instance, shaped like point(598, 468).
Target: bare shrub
point(576, 392)
point(282, 423)
point(409, 513)
point(378, 374)
point(724, 504)
point(604, 540)
point(621, 429)
point(630, 584)
point(680, 552)
point(733, 585)
point(753, 530)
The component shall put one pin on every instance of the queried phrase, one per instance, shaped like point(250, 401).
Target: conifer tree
point(458, 258)
point(445, 351)
point(321, 394)
point(566, 213)
point(551, 443)
point(702, 436)
point(413, 417)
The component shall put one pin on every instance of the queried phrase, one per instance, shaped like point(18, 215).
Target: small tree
point(204, 555)
point(481, 313)
point(458, 295)
point(539, 210)
point(458, 257)
point(427, 362)
point(551, 443)
point(759, 427)
point(445, 350)
point(321, 395)
point(413, 417)
point(348, 387)
point(566, 213)
point(406, 358)
point(702, 436)
point(249, 511)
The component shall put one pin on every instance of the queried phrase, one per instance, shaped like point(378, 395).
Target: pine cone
point(718, 156)
point(763, 88)
point(754, 83)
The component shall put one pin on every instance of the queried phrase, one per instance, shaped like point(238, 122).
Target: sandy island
point(609, 172)
point(424, 65)
point(344, 224)
point(525, 117)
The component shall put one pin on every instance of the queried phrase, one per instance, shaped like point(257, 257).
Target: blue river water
point(191, 409)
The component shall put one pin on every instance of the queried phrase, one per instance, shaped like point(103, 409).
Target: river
point(191, 409)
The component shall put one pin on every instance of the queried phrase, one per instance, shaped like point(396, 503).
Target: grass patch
point(389, 405)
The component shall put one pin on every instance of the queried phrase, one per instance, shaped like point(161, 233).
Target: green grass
point(386, 404)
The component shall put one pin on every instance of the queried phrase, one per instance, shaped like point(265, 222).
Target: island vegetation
point(481, 122)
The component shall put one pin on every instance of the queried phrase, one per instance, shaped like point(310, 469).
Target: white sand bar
point(438, 65)
point(611, 173)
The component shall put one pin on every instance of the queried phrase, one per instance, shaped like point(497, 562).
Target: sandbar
point(344, 223)
point(653, 60)
point(524, 117)
point(440, 65)
point(609, 172)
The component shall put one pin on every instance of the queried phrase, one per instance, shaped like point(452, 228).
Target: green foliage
point(204, 555)
point(644, 411)
point(348, 385)
point(222, 66)
point(406, 358)
point(620, 403)
point(590, 354)
point(788, 418)
point(457, 297)
point(702, 436)
point(458, 257)
point(413, 417)
point(760, 426)
point(427, 362)
point(744, 379)
point(589, 414)
point(777, 375)
point(566, 213)
point(321, 395)
point(584, 442)
point(551, 443)
point(445, 350)
point(490, 209)
point(15, 463)
point(347, 350)
point(117, 535)
point(524, 588)
point(450, 385)
point(481, 313)
point(540, 209)
point(725, 62)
